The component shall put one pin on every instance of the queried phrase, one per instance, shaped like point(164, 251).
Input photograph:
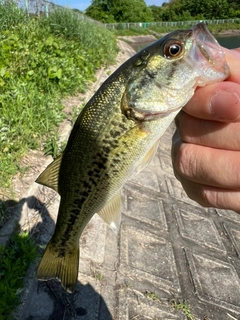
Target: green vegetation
point(181, 306)
point(41, 61)
point(132, 31)
point(97, 275)
point(160, 30)
point(182, 10)
point(14, 261)
point(110, 11)
point(184, 308)
point(152, 296)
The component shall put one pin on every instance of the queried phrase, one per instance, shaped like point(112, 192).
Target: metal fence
point(166, 24)
point(44, 7)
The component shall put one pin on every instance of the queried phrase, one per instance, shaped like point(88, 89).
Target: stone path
point(172, 259)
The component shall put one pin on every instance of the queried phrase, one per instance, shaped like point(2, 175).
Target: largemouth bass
point(117, 134)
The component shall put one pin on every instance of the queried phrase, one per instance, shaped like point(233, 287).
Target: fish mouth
point(206, 49)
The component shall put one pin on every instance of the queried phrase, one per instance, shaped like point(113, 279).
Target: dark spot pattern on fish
point(100, 165)
point(116, 160)
point(114, 133)
point(61, 253)
point(106, 149)
point(122, 126)
point(171, 71)
point(78, 202)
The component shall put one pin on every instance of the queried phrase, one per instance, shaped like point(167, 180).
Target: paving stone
point(174, 188)
point(228, 215)
point(199, 229)
point(147, 258)
point(148, 177)
point(144, 208)
point(234, 235)
point(215, 280)
point(92, 241)
point(135, 306)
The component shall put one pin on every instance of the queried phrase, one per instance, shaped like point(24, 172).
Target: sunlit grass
point(41, 61)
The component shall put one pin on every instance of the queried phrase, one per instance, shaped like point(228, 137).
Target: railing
point(44, 7)
point(166, 23)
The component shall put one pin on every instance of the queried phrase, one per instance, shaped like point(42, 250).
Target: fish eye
point(173, 49)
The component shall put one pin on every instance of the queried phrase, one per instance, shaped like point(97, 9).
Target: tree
point(208, 9)
point(97, 13)
point(120, 10)
point(157, 12)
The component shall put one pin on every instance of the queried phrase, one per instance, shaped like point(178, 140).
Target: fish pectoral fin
point(148, 157)
point(111, 212)
point(49, 177)
point(60, 265)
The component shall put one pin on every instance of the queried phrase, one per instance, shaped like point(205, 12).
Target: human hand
point(206, 145)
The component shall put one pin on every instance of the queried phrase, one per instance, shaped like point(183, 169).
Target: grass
point(136, 31)
point(183, 306)
point(177, 305)
point(152, 295)
point(15, 258)
point(132, 31)
point(43, 60)
point(97, 275)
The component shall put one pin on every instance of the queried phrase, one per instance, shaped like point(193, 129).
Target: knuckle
point(208, 198)
point(182, 123)
point(197, 194)
point(185, 161)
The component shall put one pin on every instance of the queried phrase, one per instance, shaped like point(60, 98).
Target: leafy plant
point(152, 296)
point(41, 61)
point(184, 308)
point(14, 261)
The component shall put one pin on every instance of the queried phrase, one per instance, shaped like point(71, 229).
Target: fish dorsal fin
point(111, 212)
point(148, 157)
point(49, 177)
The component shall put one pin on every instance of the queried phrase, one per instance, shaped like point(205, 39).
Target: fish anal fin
point(49, 177)
point(148, 157)
point(63, 266)
point(111, 212)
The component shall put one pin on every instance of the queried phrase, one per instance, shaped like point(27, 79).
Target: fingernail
point(225, 105)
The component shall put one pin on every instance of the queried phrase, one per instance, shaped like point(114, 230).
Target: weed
point(183, 307)
point(14, 261)
point(51, 146)
point(97, 275)
point(152, 296)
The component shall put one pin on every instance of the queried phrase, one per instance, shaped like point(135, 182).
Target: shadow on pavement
point(47, 300)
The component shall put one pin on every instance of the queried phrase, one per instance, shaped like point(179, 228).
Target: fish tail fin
point(63, 266)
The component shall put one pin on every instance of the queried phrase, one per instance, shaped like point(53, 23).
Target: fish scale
point(117, 133)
